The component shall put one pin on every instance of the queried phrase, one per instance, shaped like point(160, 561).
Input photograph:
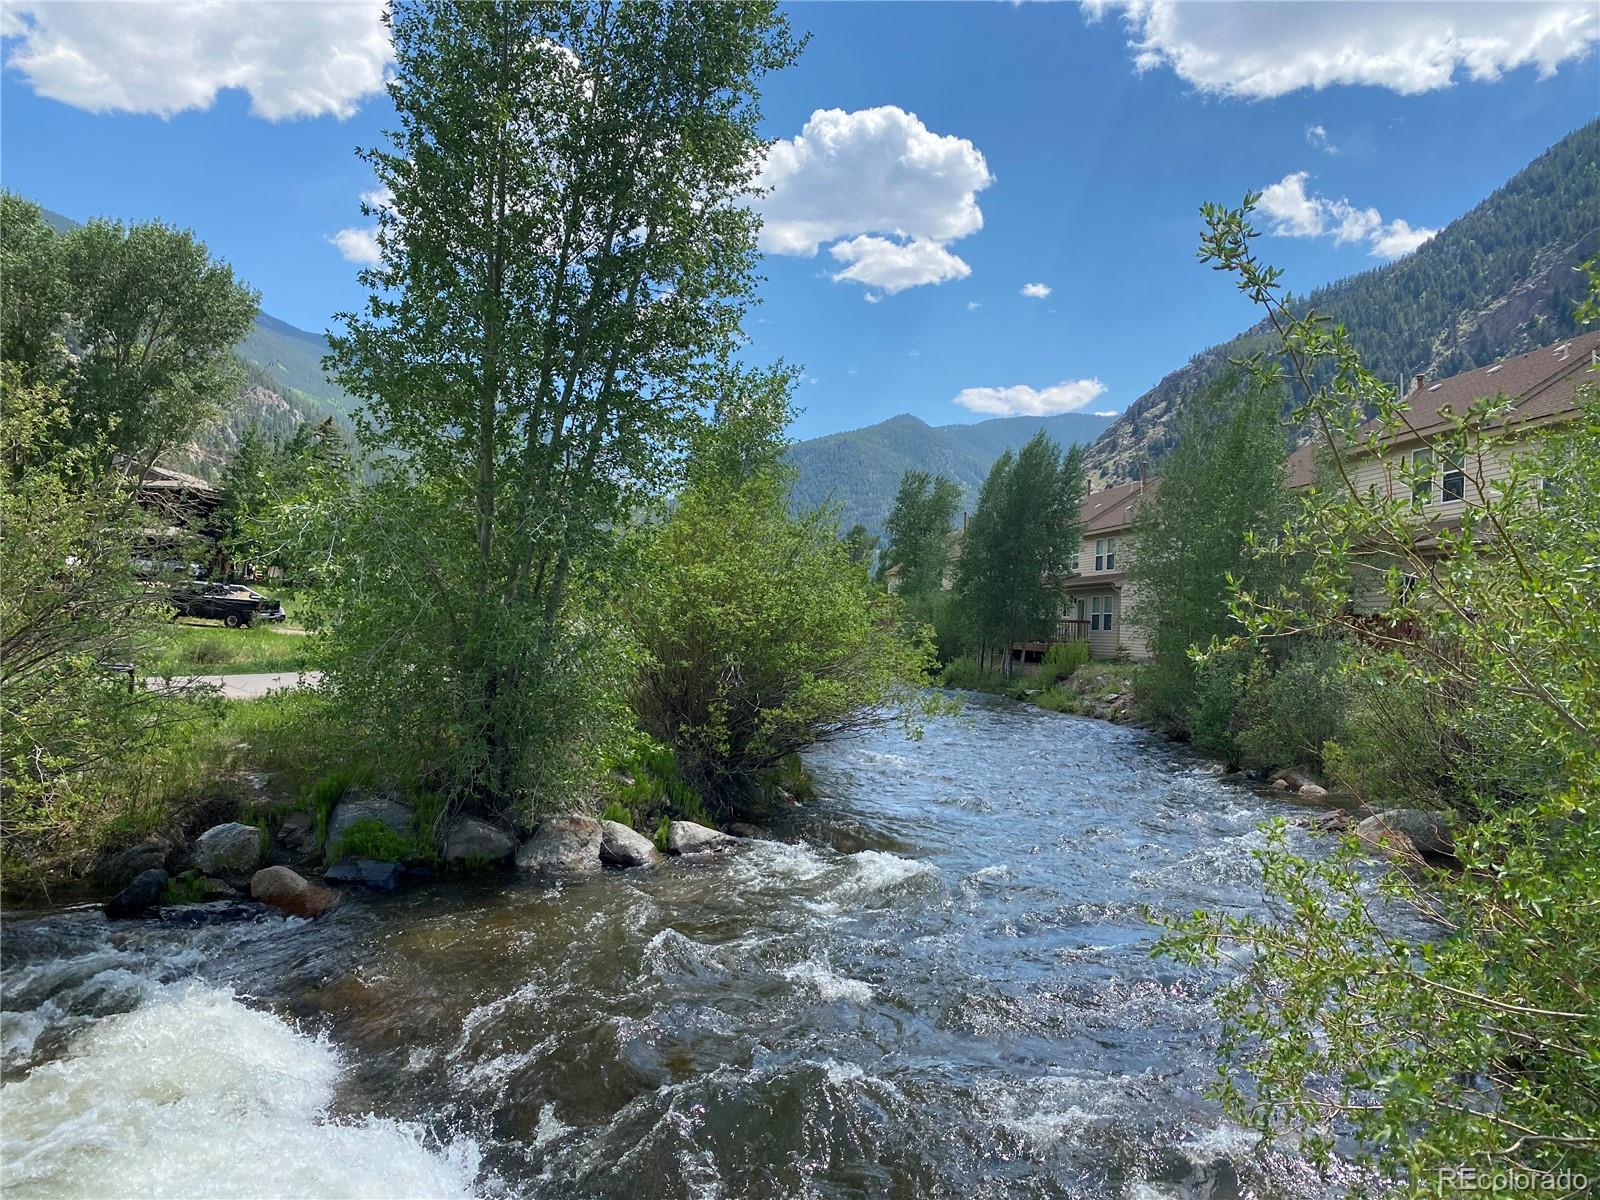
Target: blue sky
point(1014, 145)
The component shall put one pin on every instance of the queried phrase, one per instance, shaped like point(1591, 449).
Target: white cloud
point(1317, 135)
point(1106, 412)
point(1036, 291)
point(358, 245)
point(1023, 401)
point(895, 266)
point(972, 304)
point(1292, 212)
point(889, 193)
point(1260, 50)
point(293, 60)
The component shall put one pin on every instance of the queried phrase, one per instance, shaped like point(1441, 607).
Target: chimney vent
point(1417, 381)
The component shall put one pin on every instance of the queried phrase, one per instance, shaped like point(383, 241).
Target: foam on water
point(197, 1094)
point(820, 978)
point(878, 870)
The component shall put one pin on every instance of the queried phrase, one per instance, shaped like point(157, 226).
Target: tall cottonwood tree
point(1019, 544)
point(918, 530)
point(566, 257)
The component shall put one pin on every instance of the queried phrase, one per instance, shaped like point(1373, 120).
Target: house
point(1542, 387)
point(179, 510)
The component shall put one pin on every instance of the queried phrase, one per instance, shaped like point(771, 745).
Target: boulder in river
point(284, 889)
point(624, 847)
point(566, 843)
point(1391, 843)
point(142, 894)
point(357, 806)
point(231, 849)
point(472, 840)
point(368, 872)
point(120, 869)
point(1428, 831)
point(743, 829)
point(685, 837)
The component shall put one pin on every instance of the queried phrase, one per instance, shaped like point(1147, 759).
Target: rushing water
point(938, 983)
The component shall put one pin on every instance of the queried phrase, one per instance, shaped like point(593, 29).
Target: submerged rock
point(231, 849)
point(685, 837)
point(566, 843)
point(624, 847)
point(474, 840)
point(1428, 831)
point(284, 889)
point(142, 894)
point(357, 807)
point(368, 872)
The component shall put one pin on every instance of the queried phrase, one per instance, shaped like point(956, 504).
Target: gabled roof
point(1113, 507)
point(1542, 382)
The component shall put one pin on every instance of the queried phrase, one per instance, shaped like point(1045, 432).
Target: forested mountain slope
point(284, 386)
point(1498, 281)
point(861, 469)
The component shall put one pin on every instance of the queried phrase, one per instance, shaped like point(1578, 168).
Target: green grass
point(213, 649)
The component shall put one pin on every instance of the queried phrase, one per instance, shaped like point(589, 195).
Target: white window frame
point(1100, 614)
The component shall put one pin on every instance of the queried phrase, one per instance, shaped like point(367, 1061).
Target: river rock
point(143, 893)
point(122, 868)
point(297, 835)
point(1312, 790)
point(358, 807)
point(282, 888)
point(566, 843)
point(230, 849)
point(624, 847)
point(1429, 831)
point(474, 840)
point(685, 837)
point(743, 829)
point(1288, 780)
point(1391, 843)
point(368, 872)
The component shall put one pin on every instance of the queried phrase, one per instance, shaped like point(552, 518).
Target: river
point(937, 983)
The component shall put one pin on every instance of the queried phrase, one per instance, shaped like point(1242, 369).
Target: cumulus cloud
point(1036, 291)
point(1260, 50)
point(1293, 212)
point(895, 266)
point(887, 192)
point(1023, 401)
point(293, 60)
point(359, 244)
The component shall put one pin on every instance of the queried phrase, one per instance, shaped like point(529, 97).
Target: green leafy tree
point(1020, 544)
point(1472, 1046)
point(567, 252)
point(919, 531)
point(1221, 490)
point(861, 545)
point(759, 635)
point(98, 377)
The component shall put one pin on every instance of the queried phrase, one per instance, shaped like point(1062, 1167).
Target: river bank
point(933, 981)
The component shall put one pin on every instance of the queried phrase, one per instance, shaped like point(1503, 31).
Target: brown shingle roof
point(1542, 382)
point(1113, 507)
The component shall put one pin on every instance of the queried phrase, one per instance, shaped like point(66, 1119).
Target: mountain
point(1498, 281)
point(860, 471)
point(284, 386)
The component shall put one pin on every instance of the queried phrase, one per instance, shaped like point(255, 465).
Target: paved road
point(244, 687)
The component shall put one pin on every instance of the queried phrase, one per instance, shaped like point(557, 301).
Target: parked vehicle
point(235, 605)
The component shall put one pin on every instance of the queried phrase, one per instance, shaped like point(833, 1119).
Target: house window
point(1100, 613)
point(1455, 480)
point(1105, 554)
point(1422, 468)
point(1076, 554)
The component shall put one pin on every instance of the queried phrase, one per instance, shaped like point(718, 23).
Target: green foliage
point(616, 810)
point(1474, 1045)
point(758, 635)
point(207, 650)
point(1019, 545)
point(187, 888)
point(371, 838)
point(861, 546)
point(1221, 490)
point(1061, 660)
point(656, 791)
point(431, 813)
point(663, 828)
point(531, 365)
point(965, 673)
point(320, 797)
point(918, 529)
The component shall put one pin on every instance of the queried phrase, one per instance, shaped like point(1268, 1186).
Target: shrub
point(330, 788)
point(1291, 707)
point(965, 673)
point(1061, 660)
point(371, 838)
